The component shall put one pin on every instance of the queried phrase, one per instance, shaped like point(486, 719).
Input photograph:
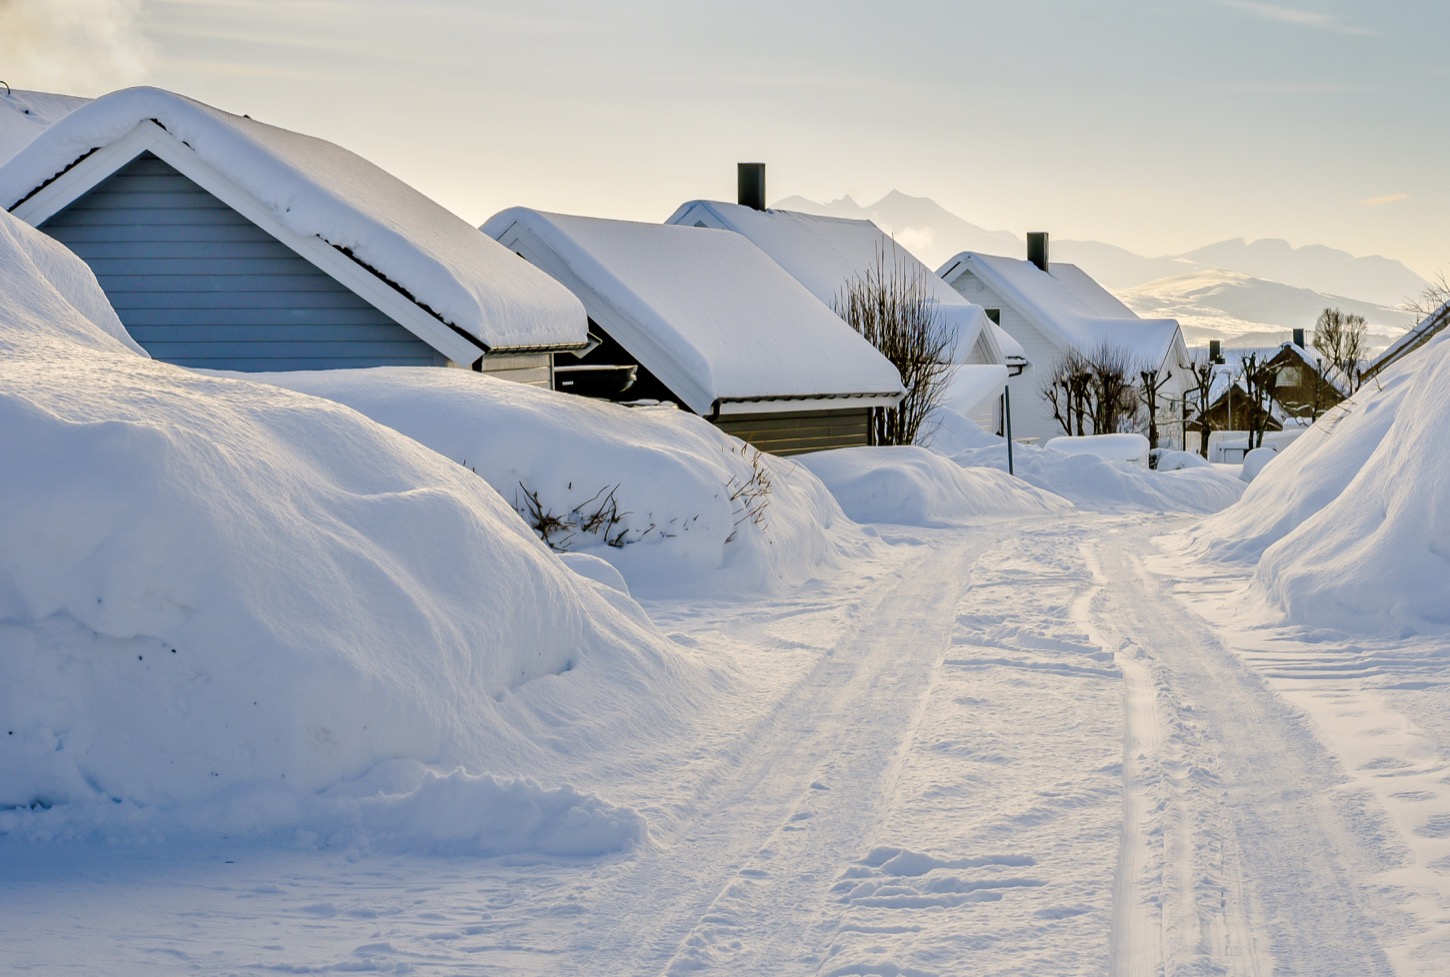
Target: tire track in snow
point(1250, 868)
point(743, 889)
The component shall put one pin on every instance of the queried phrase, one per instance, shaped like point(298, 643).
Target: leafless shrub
point(749, 494)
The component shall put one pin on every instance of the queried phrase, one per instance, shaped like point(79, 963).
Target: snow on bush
point(1087, 481)
point(909, 485)
point(1255, 461)
point(677, 506)
point(1350, 526)
point(221, 593)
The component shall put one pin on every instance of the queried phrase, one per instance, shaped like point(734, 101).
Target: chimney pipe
point(1037, 249)
point(751, 184)
point(1299, 338)
point(1215, 351)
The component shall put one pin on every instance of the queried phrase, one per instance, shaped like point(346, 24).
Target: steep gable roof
point(704, 310)
point(824, 253)
point(446, 282)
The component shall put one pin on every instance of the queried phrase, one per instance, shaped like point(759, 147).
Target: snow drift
point(909, 485)
point(678, 506)
point(1350, 525)
point(1086, 480)
point(216, 592)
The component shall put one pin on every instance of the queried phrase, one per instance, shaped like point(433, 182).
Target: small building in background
point(1052, 308)
point(703, 318)
point(1303, 387)
point(228, 244)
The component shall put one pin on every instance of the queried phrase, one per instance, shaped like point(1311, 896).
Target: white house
point(225, 243)
point(1050, 309)
point(702, 317)
point(826, 253)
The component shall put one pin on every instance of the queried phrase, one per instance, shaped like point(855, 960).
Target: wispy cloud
point(1389, 198)
point(1290, 88)
point(1297, 17)
point(72, 45)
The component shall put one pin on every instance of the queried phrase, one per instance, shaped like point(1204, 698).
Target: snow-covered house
point(826, 253)
point(225, 243)
point(1303, 388)
point(703, 318)
point(1053, 308)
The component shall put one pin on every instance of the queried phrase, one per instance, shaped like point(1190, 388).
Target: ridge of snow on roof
point(705, 306)
point(1414, 336)
point(1069, 305)
point(824, 253)
point(315, 188)
point(25, 115)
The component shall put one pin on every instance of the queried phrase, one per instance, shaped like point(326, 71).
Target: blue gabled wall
point(197, 284)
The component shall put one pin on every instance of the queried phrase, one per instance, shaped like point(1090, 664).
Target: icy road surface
point(1021, 749)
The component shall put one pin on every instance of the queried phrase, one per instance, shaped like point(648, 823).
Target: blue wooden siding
point(196, 283)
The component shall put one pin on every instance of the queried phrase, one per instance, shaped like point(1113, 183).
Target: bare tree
point(1260, 380)
point(891, 307)
point(1340, 337)
point(1152, 381)
point(1068, 391)
point(1201, 394)
point(1093, 392)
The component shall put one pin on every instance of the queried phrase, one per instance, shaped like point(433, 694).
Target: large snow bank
point(908, 485)
point(681, 500)
point(1350, 525)
point(702, 309)
point(222, 602)
point(1088, 481)
point(316, 188)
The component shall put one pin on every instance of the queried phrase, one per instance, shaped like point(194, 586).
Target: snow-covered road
point(1016, 749)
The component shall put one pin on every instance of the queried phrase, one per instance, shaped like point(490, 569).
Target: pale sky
point(1157, 125)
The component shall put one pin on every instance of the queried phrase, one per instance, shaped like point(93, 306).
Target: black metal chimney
point(1215, 351)
point(1037, 248)
point(1299, 338)
point(751, 183)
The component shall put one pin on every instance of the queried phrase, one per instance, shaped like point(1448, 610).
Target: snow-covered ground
point(287, 685)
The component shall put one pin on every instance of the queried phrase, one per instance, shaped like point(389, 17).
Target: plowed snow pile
point(908, 485)
point(677, 506)
point(1350, 525)
point(226, 607)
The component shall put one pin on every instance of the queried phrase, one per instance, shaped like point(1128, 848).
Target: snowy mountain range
point(1246, 293)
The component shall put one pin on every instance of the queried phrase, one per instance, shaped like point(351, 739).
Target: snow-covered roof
point(704, 310)
point(824, 253)
point(316, 191)
point(1068, 306)
point(25, 115)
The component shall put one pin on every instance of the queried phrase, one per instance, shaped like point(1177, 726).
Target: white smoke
point(81, 47)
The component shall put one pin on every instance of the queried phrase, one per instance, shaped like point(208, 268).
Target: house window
point(1289, 376)
point(995, 315)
